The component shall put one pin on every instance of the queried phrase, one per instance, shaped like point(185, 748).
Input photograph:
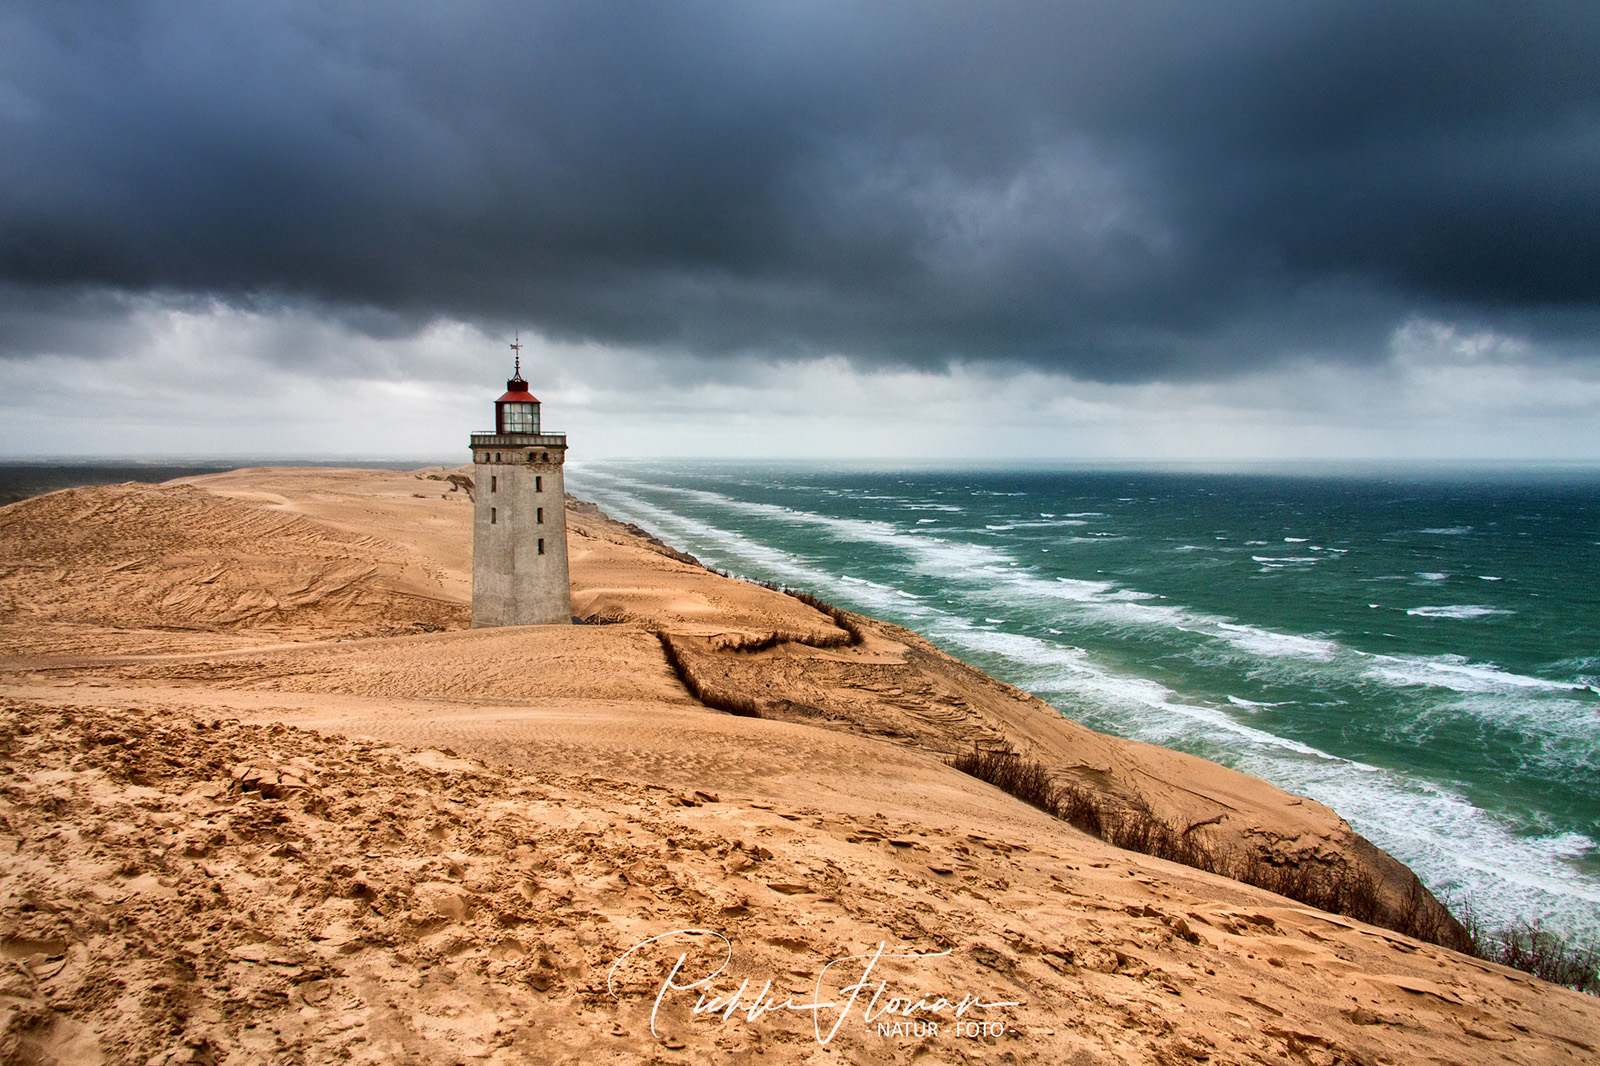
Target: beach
point(269, 799)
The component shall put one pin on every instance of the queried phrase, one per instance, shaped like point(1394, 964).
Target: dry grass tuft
point(746, 642)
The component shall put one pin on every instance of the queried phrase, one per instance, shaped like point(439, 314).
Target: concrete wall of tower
point(519, 535)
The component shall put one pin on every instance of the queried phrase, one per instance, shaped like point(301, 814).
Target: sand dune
point(177, 557)
point(295, 813)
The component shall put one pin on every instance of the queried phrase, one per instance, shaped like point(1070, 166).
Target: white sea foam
point(1295, 540)
point(1253, 705)
point(1432, 575)
point(1451, 842)
point(1066, 670)
point(1458, 611)
point(1558, 735)
point(1458, 674)
point(1123, 607)
point(1268, 644)
point(1448, 531)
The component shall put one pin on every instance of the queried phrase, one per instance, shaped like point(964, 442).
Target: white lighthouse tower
point(519, 520)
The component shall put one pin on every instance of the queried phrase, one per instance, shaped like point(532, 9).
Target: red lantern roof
point(517, 389)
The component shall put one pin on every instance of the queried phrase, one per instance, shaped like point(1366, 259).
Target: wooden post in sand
point(519, 521)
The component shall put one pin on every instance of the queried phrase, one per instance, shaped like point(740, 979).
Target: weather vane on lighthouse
point(519, 521)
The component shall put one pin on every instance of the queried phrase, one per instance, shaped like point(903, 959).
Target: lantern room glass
point(519, 418)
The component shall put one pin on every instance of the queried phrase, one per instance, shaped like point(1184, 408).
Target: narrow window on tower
point(538, 516)
point(493, 517)
point(494, 483)
point(541, 545)
point(538, 483)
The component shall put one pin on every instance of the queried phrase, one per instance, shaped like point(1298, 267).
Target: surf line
point(898, 1005)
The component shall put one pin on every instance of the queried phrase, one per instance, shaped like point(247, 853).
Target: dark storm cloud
point(1121, 191)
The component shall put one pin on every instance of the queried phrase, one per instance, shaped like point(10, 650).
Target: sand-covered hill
point(178, 558)
point(295, 812)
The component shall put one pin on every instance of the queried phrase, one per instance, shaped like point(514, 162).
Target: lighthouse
point(519, 519)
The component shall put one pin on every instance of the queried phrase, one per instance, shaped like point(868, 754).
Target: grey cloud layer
point(1122, 191)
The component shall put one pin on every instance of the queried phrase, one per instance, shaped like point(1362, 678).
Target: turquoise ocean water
point(1419, 651)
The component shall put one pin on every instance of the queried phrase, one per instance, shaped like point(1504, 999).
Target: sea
point(1418, 648)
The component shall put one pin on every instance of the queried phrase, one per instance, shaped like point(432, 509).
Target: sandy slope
point(168, 890)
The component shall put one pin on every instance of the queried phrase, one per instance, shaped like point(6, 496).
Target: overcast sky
point(1159, 229)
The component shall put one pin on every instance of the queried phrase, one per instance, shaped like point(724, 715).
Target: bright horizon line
point(254, 459)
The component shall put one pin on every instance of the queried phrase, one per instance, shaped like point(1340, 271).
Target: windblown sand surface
point(266, 799)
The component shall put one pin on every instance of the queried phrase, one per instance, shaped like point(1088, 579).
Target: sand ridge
point(265, 841)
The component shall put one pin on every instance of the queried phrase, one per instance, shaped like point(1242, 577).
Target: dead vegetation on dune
point(842, 619)
point(1534, 949)
point(700, 685)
